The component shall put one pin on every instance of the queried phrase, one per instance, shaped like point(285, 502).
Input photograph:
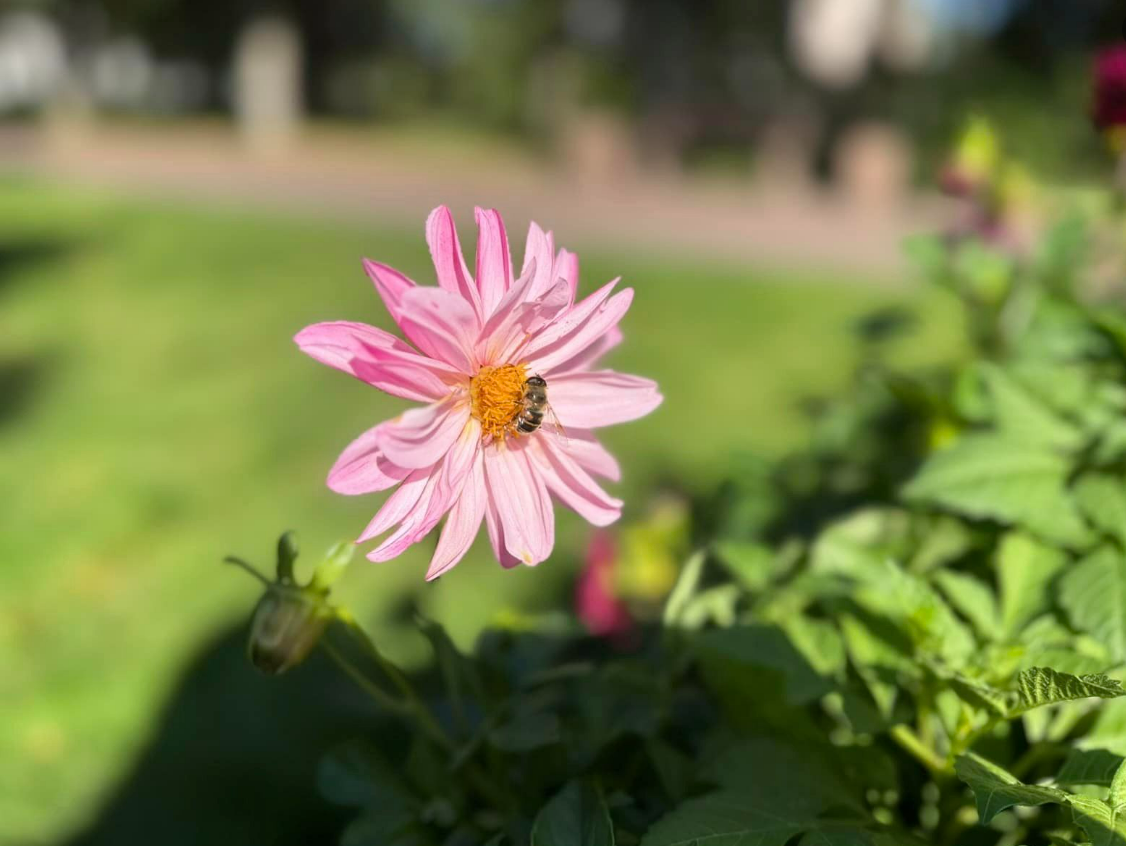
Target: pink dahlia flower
point(1109, 108)
point(474, 341)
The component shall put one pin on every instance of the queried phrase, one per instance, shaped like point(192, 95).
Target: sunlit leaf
point(995, 789)
point(577, 814)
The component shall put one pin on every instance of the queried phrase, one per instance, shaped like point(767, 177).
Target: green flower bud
point(290, 618)
point(287, 623)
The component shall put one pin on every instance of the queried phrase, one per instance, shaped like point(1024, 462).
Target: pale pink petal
point(390, 283)
point(449, 261)
point(455, 468)
point(421, 437)
point(494, 263)
point(398, 505)
point(359, 350)
point(601, 398)
point(578, 328)
point(572, 485)
point(496, 535)
point(519, 496)
point(363, 468)
point(567, 267)
point(540, 259)
point(412, 528)
point(592, 354)
point(518, 320)
point(463, 524)
point(442, 326)
point(588, 452)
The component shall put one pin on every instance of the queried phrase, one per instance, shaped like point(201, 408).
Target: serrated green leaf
point(1102, 499)
point(577, 814)
point(1021, 416)
point(1039, 686)
point(981, 695)
point(995, 477)
point(1089, 766)
point(1093, 593)
point(1025, 570)
point(995, 789)
point(973, 599)
point(1103, 825)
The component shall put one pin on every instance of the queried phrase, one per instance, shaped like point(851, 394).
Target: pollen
point(497, 395)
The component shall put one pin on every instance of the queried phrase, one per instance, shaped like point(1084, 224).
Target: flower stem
point(910, 743)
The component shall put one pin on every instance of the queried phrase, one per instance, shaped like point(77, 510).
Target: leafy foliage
point(914, 625)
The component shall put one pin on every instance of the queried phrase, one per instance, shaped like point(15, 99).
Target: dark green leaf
point(1089, 766)
point(356, 774)
point(576, 816)
point(995, 789)
point(525, 732)
point(1103, 825)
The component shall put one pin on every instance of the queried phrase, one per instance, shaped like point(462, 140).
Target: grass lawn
point(154, 415)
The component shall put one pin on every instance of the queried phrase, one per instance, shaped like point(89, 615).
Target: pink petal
point(463, 524)
point(362, 468)
point(567, 267)
point(540, 259)
point(412, 528)
point(580, 327)
point(517, 320)
point(390, 283)
point(588, 453)
point(496, 535)
point(592, 354)
point(601, 398)
point(449, 262)
point(420, 437)
point(362, 351)
point(398, 505)
point(522, 503)
point(455, 468)
point(494, 263)
point(573, 486)
point(442, 326)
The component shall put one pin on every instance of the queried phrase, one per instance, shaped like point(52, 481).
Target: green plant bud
point(287, 623)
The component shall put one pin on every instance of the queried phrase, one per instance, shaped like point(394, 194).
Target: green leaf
point(675, 769)
point(526, 731)
point(1039, 686)
point(728, 658)
point(356, 774)
point(685, 588)
point(459, 673)
point(1089, 766)
point(1025, 570)
point(981, 695)
point(972, 598)
point(1103, 825)
point(991, 476)
point(576, 815)
point(1093, 593)
point(1102, 499)
point(1021, 416)
point(1116, 797)
point(753, 565)
point(996, 789)
point(333, 565)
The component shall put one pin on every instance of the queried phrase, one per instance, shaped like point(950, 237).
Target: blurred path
point(358, 174)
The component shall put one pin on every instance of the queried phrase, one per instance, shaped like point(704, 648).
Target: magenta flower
point(473, 451)
point(596, 601)
point(1109, 109)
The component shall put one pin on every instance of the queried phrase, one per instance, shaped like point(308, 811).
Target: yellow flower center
point(497, 396)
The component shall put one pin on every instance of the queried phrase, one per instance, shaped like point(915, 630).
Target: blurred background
point(186, 183)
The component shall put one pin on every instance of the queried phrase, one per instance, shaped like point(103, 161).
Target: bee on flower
point(504, 367)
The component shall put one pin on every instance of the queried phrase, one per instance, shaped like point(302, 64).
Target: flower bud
point(290, 618)
point(287, 623)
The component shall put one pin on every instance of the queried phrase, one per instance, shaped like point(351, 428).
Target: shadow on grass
point(17, 256)
point(233, 759)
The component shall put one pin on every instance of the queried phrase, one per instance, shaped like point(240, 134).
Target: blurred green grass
point(156, 416)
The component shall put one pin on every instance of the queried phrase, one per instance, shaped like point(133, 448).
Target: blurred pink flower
point(476, 339)
point(596, 602)
point(1109, 109)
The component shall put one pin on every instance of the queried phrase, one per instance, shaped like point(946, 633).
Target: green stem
point(385, 700)
point(910, 743)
